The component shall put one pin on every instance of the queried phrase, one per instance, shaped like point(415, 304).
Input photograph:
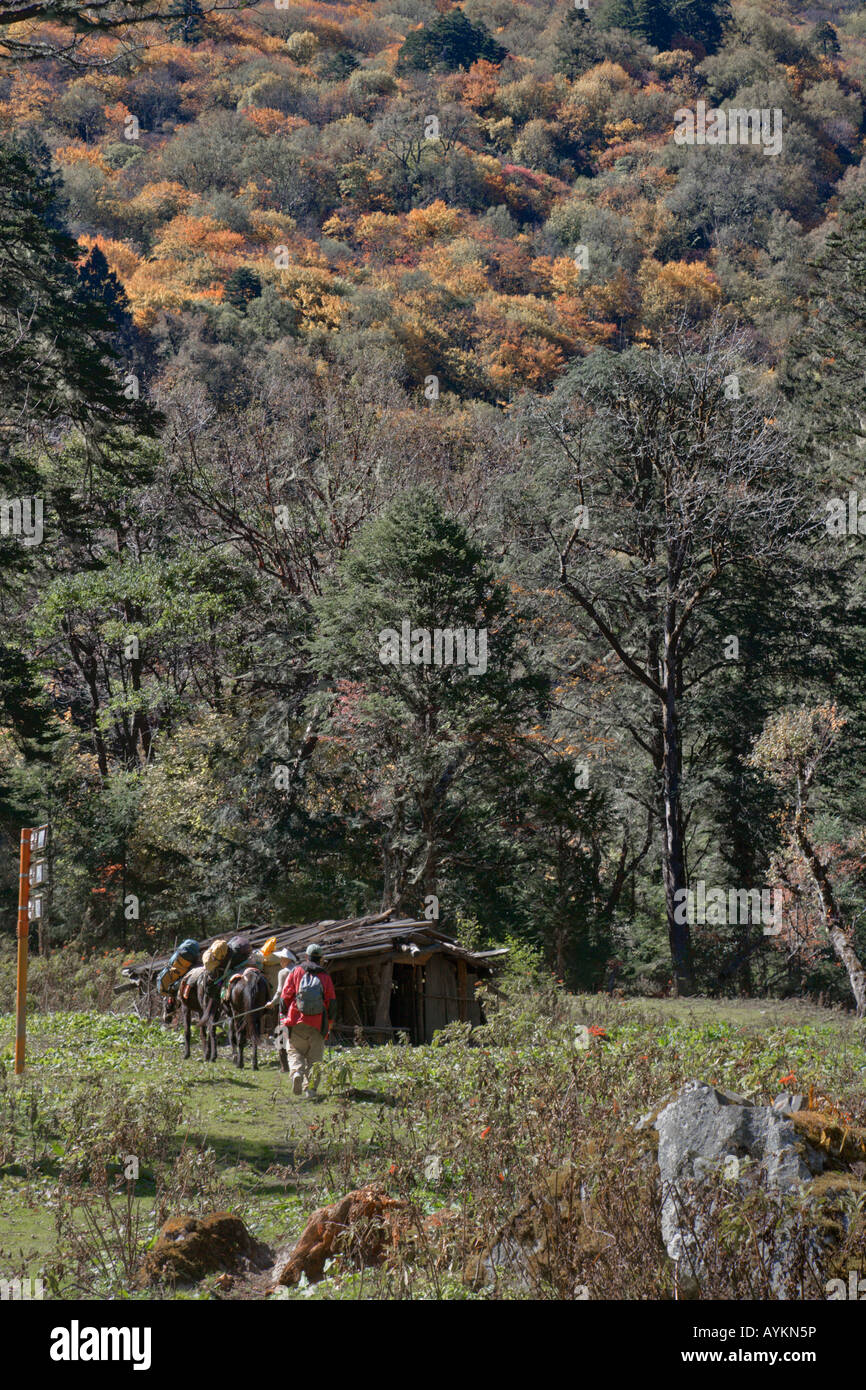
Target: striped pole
point(23, 939)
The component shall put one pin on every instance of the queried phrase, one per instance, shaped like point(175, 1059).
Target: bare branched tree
point(679, 476)
point(790, 750)
point(64, 29)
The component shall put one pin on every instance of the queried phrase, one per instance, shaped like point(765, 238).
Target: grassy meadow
point(110, 1131)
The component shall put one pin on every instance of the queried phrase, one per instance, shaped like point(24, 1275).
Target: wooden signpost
point(32, 874)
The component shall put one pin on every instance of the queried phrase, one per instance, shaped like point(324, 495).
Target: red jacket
point(291, 1012)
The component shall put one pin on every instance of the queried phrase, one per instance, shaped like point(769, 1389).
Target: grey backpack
point(310, 994)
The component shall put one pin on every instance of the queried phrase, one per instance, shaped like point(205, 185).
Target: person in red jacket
point(307, 1014)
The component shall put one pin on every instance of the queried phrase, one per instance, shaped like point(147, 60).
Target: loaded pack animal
point(199, 998)
point(185, 957)
point(231, 977)
point(246, 1001)
point(275, 966)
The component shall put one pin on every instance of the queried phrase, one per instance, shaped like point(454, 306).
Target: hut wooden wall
point(394, 996)
point(441, 1005)
point(449, 994)
point(474, 1013)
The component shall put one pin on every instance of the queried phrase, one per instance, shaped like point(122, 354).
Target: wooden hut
point(392, 974)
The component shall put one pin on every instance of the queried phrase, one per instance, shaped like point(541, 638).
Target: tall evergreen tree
point(826, 364)
point(577, 46)
point(826, 40)
point(452, 41)
point(186, 24)
point(56, 358)
point(419, 725)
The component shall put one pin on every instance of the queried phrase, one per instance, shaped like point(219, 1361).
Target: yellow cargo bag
point(215, 956)
point(172, 973)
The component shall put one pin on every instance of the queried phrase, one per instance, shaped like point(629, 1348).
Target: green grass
point(217, 1137)
point(262, 1138)
point(747, 1045)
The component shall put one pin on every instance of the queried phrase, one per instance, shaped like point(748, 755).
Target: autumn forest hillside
point(432, 212)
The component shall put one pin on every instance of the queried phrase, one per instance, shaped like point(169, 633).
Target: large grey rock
point(707, 1135)
point(707, 1124)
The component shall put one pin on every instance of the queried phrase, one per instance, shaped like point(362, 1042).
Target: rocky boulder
point(712, 1143)
point(706, 1127)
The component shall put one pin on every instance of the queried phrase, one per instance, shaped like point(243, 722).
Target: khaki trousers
point(306, 1048)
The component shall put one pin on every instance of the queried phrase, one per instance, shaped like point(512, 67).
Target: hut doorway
point(404, 1002)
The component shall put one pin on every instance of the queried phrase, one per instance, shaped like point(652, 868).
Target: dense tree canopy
point(317, 320)
point(665, 22)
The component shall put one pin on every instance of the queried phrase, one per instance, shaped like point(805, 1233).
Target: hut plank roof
point(344, 940)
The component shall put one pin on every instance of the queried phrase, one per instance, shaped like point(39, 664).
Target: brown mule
point(196, 998)
point(246, 1001)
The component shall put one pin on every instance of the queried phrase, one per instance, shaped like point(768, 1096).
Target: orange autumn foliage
point(29, 98)
point(187, 237)
point(269, 121)
point(437, 220)
point(79, 153)
point(122, 260)
point(480, 85)
point(667, 290)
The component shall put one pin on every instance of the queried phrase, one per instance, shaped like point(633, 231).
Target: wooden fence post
point(23, 944)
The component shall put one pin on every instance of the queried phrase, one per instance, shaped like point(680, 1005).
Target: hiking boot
point(297, 1085)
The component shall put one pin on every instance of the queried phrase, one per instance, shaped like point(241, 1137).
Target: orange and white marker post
point(23, 944)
